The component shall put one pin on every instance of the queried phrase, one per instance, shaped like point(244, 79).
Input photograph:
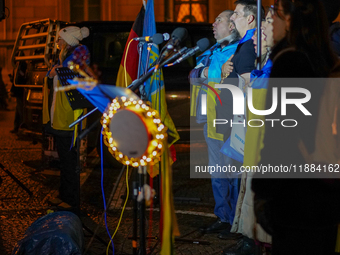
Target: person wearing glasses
point(58, 114)
point(300, 213)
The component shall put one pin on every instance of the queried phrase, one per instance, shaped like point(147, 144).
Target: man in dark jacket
point(244, 17)
point(243, 61)
point(209, 67)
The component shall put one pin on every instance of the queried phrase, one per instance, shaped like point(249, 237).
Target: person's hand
point(206, 71)
point(227, 68)
point(53, 71)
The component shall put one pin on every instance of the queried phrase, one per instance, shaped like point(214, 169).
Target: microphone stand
point(82, 117)
point(164, 63)
point(147, 57)
point(142, 171)
point(142, 88)
point(140, 50)
point(81, 135)
point(137, 84)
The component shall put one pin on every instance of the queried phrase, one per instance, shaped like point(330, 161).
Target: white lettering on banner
point(238, 100)
point(283, 122)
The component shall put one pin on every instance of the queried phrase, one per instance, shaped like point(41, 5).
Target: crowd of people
point(298, 40)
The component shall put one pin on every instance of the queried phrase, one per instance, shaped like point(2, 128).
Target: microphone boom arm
point(136, 83)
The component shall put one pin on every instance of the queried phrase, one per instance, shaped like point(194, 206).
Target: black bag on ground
point(55, 233)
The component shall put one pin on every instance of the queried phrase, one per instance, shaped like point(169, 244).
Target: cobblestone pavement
point(21, 154)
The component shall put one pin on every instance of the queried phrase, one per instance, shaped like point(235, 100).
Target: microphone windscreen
point(166, 36)
point(203, 44)
point(180, 33)
point(157, 38)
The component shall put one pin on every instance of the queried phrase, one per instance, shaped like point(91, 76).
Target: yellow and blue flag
point(154, 86)
point(155, 93)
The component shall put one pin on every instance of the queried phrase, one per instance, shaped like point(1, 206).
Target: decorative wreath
point(121, 132)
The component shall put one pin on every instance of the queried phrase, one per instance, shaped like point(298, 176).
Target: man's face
point(241, 22)
point(222, 26)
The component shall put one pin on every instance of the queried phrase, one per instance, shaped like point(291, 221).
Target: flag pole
point(259, 34)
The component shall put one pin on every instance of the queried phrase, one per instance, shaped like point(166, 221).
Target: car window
point(107, 52)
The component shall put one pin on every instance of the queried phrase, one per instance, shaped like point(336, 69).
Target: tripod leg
point(135, 211)
point(16, 180)
point(78, 175)
point(94, 234)
point(142, 242)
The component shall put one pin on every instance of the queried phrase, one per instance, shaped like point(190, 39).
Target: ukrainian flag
point(155, 93)
point(154, 87)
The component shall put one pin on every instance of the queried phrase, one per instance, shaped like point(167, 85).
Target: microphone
point(202, 45)
point(173, 57)
point(136, 83)
point(156, 38)
point(177, 36)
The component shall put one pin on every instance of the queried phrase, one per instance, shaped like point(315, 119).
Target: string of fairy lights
point(150, 117)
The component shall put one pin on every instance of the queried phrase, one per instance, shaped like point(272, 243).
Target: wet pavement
point(21, 155)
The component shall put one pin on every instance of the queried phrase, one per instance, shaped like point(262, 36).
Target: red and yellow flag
point(129, 73)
